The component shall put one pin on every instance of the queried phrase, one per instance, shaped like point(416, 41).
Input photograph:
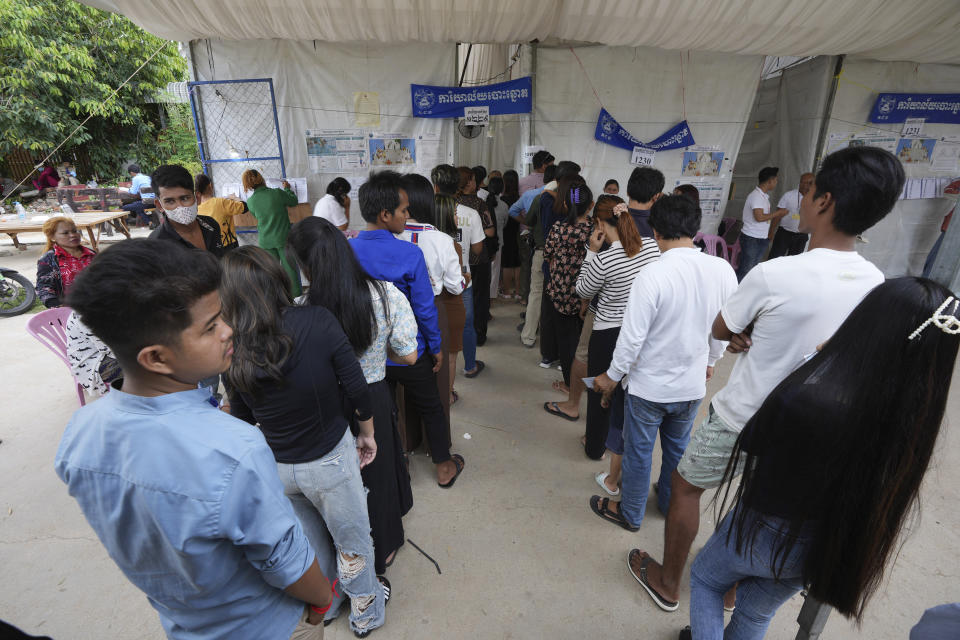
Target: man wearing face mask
point(173, 186)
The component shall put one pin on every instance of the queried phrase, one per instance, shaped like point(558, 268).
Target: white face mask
point(183, 215)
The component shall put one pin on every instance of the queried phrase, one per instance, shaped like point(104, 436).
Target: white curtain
point(919, 30)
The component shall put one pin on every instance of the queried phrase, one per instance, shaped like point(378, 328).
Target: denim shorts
point(705, 460)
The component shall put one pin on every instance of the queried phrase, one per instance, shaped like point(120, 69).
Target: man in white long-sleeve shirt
point(664, 355)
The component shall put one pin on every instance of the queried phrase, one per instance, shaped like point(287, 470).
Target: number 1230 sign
point(642, 157)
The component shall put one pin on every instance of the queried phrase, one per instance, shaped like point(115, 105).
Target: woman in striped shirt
point(609, 275)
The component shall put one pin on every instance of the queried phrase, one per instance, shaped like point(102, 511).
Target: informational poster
point(235, 189)
point(701, 163)
point(885, 141)
point(430, 151)
point(711, 194)
point(336, 150)
point(366, 108)
point(392, 150)
point(355, 183)
point(925, 188)
point(297, 185)
point(915, 150)
point(946, 155)
point(642, 157)
point(843, 139)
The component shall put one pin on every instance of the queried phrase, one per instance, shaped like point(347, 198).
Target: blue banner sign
point(515, 96)
point(609, 131)
point(932, 107)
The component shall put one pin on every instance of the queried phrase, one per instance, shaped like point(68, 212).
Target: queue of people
point(293, 504)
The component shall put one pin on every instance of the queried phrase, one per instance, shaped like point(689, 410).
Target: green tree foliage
point(60, 62)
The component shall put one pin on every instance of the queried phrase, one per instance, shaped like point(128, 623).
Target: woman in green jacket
point(269, 207)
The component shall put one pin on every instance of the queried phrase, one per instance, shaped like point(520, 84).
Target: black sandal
point(601, 507)
point(460, 464)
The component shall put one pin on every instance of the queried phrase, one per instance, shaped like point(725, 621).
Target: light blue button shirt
point(187, 501)
point(520, 207)
point(140, 181)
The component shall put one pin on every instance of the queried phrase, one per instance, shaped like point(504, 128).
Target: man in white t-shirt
point(788, 240)
point(755, 235)
point(664, 355)
point(777, 317)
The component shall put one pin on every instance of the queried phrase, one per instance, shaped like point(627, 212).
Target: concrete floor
point(521, 553)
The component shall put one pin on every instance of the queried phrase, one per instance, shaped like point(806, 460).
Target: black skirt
point(387, 478)
point(510, 254)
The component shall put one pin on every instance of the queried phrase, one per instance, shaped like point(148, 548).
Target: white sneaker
point(600, 477)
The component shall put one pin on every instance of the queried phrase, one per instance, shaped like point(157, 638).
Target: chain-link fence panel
point(236, 123)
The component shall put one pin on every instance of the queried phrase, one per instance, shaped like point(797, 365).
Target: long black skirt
point(387, 478)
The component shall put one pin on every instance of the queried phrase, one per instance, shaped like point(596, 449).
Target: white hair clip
point(946, 322)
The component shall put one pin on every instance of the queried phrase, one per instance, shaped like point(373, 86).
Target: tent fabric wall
point(644, 89)
point(315, 82)
point(784, 128)
point(495, 148)
point(921, 30)
point(899, 244)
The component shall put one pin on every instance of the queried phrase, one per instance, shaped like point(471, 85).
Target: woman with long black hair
point(833, 463)
point(378, 321)
point(289, 368)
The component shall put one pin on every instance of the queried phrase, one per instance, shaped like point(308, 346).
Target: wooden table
point(84, 221)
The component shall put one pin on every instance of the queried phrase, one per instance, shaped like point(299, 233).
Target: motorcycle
point(17, 294)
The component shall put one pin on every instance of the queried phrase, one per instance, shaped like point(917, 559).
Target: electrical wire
point(515, 58)
point(79, 126)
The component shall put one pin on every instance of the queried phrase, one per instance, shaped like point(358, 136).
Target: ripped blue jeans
point(329, 498)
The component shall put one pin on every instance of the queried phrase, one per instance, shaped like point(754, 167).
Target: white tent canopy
point(918, 31)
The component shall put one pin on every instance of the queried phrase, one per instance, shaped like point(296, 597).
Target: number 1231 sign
point(642, 157)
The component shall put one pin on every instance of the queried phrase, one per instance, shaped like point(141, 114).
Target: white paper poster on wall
point(912, 127)
point(366, 108)
point(392, 150)
point(530, 150)
point(711, 195)
point(430, 151)
point(336, 150)
point(297, 185)
point(946, 155)
point(477, 116)
point(235, 189)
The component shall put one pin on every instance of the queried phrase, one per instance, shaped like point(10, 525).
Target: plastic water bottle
point(21, 212)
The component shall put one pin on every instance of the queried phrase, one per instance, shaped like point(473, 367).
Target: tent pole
point(533, 90)
point(466, 61)
point(827, 111)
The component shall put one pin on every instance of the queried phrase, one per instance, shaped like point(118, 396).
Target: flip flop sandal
point(600, 507)
point(480, 366)
point(685, 634)
point(730, 609)
point(554, 409)
point(659, 600)
point(600, 477)
point(386, 588)
point(460, 463)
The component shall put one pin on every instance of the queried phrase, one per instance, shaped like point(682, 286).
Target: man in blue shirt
point(383, 204)
point(185, 498)
point(139, 186)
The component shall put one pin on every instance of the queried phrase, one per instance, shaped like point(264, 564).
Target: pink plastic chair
point(715, 245)
point(50, 328)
